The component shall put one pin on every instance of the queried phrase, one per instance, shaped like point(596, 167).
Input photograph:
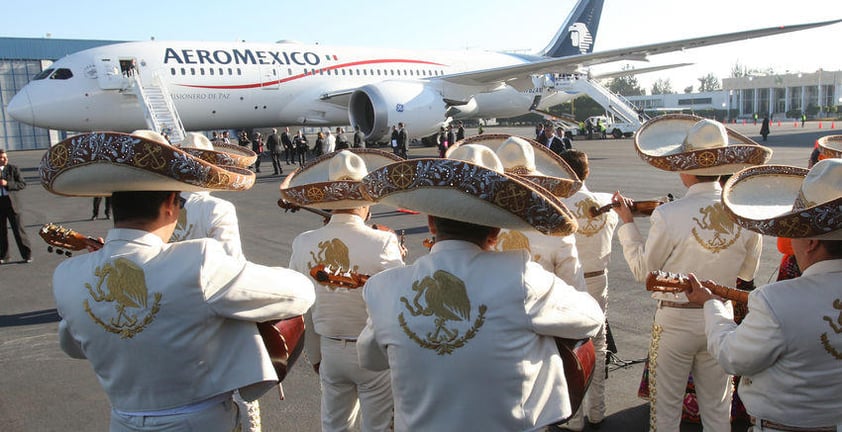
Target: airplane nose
point(20, 107)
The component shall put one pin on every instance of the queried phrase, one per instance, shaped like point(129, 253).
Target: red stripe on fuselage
point(313, 72)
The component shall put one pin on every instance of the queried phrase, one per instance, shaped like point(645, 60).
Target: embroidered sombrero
point(218, 154)
point(788, 201)
point(830, 146)
point(99, 163)
point(528, 159)
point(695, 145)
point(475, 191)
point(332, 181)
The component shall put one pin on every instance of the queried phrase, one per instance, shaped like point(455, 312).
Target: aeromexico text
point(241, 56)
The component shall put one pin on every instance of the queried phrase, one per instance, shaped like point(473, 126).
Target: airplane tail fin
point(578, 33)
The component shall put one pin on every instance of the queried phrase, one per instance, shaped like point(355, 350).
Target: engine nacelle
point(378, 107)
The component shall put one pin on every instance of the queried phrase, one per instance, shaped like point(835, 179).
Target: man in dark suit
point(10, 183)
point(402, 140)
point(289, 147)
point(359, 137)
point(273, 143)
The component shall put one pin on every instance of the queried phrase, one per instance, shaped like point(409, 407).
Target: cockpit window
point(62, 74)
point(43, 74)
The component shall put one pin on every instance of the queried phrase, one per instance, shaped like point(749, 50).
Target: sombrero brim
point(225, 155)
point(659, 143)
point(552, 172)
point(830, 146)
point(100, 163)
point(760, 199)
point(470, 193)
point(309, 186)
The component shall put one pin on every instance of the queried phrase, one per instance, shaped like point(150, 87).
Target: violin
point(638, 208)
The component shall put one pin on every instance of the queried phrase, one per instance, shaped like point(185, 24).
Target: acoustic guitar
point(284, 339)
point(661, 281)
point(578, 355)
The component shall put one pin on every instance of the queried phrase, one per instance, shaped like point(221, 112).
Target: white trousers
point(594, 403)
point(349, 390)
point(222, 417)
point(679, 347)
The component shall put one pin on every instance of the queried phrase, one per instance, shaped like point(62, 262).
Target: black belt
point(340, 339)
point(772, 425)
point(594, 273)
point(669, 304)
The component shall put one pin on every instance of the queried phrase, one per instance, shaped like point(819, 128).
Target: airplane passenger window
point(192, 71)
point(210, 70)
point(201, 71)
point(230, 71)
point(221, 71)
point(172, 71)
point(62, 74)
point(239, 71)
point(183, 71)
point(43, 74)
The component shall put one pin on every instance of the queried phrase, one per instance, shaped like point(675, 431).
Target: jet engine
point(375, 108)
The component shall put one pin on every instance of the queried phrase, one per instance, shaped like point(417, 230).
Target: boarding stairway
point(614, 104)
point(158, 108)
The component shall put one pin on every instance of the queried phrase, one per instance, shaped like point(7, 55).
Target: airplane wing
point(637, 71)
point(572, 64)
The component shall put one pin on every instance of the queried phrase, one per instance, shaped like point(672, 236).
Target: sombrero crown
point(100, 163)
point(529, 160)
point(695, 145)
point(475, 190)
point(787, 201)
point(218, 154)
point(332, 181)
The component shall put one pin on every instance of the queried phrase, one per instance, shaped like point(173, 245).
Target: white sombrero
point(100, 163)
point(830, 146)
point(218, 154)
point(787, 201)
point(528, 159)
point(332, 181)
point(695, 145)
point(477, 192)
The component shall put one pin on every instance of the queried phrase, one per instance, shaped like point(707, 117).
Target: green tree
point(626, 85)
point(688, 89)
point(708, 83)
point(662, 86)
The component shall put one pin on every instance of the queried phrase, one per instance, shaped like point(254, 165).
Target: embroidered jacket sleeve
point(651, 254)
point(749, 348)
point(557, 309)
point(239, 289)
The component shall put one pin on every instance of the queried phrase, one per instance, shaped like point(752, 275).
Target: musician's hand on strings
point(94, 245)
point(697, 293)
point(623, 207)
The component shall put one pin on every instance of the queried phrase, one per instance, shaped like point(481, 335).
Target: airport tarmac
point(44, 390)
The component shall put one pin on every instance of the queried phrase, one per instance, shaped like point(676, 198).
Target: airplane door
point(109, 75)
point(270, 77)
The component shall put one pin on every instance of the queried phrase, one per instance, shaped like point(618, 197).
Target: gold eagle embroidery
point(125, 285)
point(445, 298)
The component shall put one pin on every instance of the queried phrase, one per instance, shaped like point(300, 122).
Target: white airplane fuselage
point(217, 85)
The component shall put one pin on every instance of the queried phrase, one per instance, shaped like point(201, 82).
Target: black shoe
point(108, 216)
point(257, 170)
point(93, 217)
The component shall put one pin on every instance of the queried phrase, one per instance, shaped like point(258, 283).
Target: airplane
point(239, 85)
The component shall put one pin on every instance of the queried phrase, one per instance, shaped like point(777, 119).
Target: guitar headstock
point(62, 240)
point(662, 281)
point(288, 206)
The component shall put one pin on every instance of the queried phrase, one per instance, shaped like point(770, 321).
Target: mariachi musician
point(467, 332)
point(151, 311)
point(332, 182)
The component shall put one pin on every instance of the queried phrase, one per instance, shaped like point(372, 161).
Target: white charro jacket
point(555, 254)
point(788, 349)
point(467, 335)
point(167, 325)
point(347, 242)
point(693, 234)
point(593, 238)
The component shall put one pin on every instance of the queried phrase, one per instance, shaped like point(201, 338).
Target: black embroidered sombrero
point(100, 163)
point(475, 191)
point(788, 201)
point(529, 160)
point(695, 145)
point(332, 181)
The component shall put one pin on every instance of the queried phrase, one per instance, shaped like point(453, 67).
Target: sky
point(491, 25)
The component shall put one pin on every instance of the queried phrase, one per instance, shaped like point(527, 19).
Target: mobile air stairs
point(158, 108)
point(623, 118)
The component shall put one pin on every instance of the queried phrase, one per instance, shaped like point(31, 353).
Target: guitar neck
point(660, 281)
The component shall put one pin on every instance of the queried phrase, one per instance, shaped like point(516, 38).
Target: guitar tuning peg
point(59, 251)
point(68, 253)
point(50, 249)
